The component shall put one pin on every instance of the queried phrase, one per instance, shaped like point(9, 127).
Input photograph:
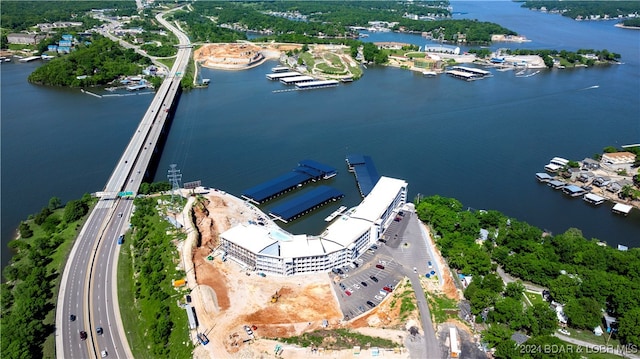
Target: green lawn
point(535, 298)
point(441, 307)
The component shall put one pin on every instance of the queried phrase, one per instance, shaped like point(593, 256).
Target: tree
point(42, 216)
point(25, 230)
point(583, 313)
point(629, 327)
point(54, 203)
point(543, 319)
point(74, 210)
point(514, 290)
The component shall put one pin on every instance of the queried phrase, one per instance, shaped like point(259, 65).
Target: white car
point(378, 297)
point(103, 354)
point(356, 286)
point(564, 331)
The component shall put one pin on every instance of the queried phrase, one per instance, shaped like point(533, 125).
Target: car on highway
point(104, 353)
point(99, 330)
point(364, 284)
point(121, 239)
point(371, 304)
point(373, 278)
point(83, 335)
point(120, 215)
point(72, 317)
point(379, 266)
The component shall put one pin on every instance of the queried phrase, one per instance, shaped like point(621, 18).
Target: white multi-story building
point(272, 250)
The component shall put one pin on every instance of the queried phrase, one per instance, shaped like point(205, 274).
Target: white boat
point(335, 214)
point(429, 73)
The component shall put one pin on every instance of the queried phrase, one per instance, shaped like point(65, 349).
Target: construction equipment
point(274, 298)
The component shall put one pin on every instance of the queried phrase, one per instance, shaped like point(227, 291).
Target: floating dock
point(281, 75)
point(296, 79)
point(574, 191)
point(365, 171)
point(307, 171)
point(620, 208)
point(468, 73)
point(335, 214)
point(305, 203)
point(278, 69)
point(473, 70)
point(555, 184)
point(316, 84)
point(543, 177)
point(593, 199)
point(30, 58)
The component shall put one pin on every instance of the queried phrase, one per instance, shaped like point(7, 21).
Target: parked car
point(430, 264)
point(356, 286)
point(564, 331)
point(373, 278)
point(387, 289)
point(378, 297)
point(248, 330)
point(364, 284)
point(371, 304)
point(347, 292)
point(342, 286)
point(379, 266)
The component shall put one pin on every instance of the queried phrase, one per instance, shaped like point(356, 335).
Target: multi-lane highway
point(88, 289)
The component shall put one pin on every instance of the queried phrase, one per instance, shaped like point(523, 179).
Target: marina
point(593, 199)
point(472, 70)
point(365, 171)
point(335, 214)
point(278, 69)
point(555, 184)
point(543, 177)
point(305, 203)
point(556, 164)
point(307, 171)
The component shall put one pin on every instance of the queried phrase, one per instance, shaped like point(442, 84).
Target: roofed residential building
point(24, 38)
point(618, 158)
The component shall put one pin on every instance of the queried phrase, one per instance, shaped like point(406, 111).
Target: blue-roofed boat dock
point(305, 203)
point(366, 173)
point(307, 171)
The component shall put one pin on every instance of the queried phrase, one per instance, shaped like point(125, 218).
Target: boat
point(335, 214)
point(429, 73)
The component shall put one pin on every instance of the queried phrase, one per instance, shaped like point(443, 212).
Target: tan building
point(24, 39)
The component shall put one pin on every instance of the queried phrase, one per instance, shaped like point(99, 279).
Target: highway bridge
point(87, 299)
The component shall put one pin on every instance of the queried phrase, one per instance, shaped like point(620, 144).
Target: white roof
point(345, 230)
point(378, 200)
point(624, 208)
point(307, 246)
point(252, 238)
point(594, 197)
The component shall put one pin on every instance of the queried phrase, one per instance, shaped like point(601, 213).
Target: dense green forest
point(578, 272)
point(328, 19)
point(101, 61)
point(574, 9)
point(21, 15)
point(28, 296)
point(632, 22)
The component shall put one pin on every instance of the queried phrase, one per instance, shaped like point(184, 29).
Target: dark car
point(374, 279)
point(83, 335)
point(72, 317)
point(379, 266)
point(371, 304)
point(342, 286)
point(121, 239)
point(99, 330)
point(364, 284)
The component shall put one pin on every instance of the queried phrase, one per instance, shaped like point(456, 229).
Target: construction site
point(247, 314)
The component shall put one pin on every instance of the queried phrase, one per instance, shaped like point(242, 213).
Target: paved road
point(625, 352)
point(89, 286)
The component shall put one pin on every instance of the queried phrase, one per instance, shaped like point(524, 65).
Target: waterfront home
point(590, 164)
point(585, 177)
point(601, 181)
point(615, 187)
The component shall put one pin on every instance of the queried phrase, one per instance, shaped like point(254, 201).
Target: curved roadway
point(88, 288)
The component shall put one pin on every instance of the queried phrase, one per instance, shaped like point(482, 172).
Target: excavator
point(274, 297)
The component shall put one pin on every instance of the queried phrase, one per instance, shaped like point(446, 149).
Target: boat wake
point(591, 87)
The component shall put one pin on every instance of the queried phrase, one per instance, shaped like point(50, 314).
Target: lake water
point(480, 142)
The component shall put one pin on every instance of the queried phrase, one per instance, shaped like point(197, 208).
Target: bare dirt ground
point(226, 298)
point(237, 56)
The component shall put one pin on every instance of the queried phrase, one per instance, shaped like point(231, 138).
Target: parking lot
point(401, 250)
point(357, 287)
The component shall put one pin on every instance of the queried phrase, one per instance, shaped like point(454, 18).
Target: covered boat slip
point(316, 84)
point(281, 75)
point(366, 173)
point(574, 191)
point(296, 79)
point(305, 203)
point(543, 177)
point(307, 170)
point(620, 208)
point(594, 199)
